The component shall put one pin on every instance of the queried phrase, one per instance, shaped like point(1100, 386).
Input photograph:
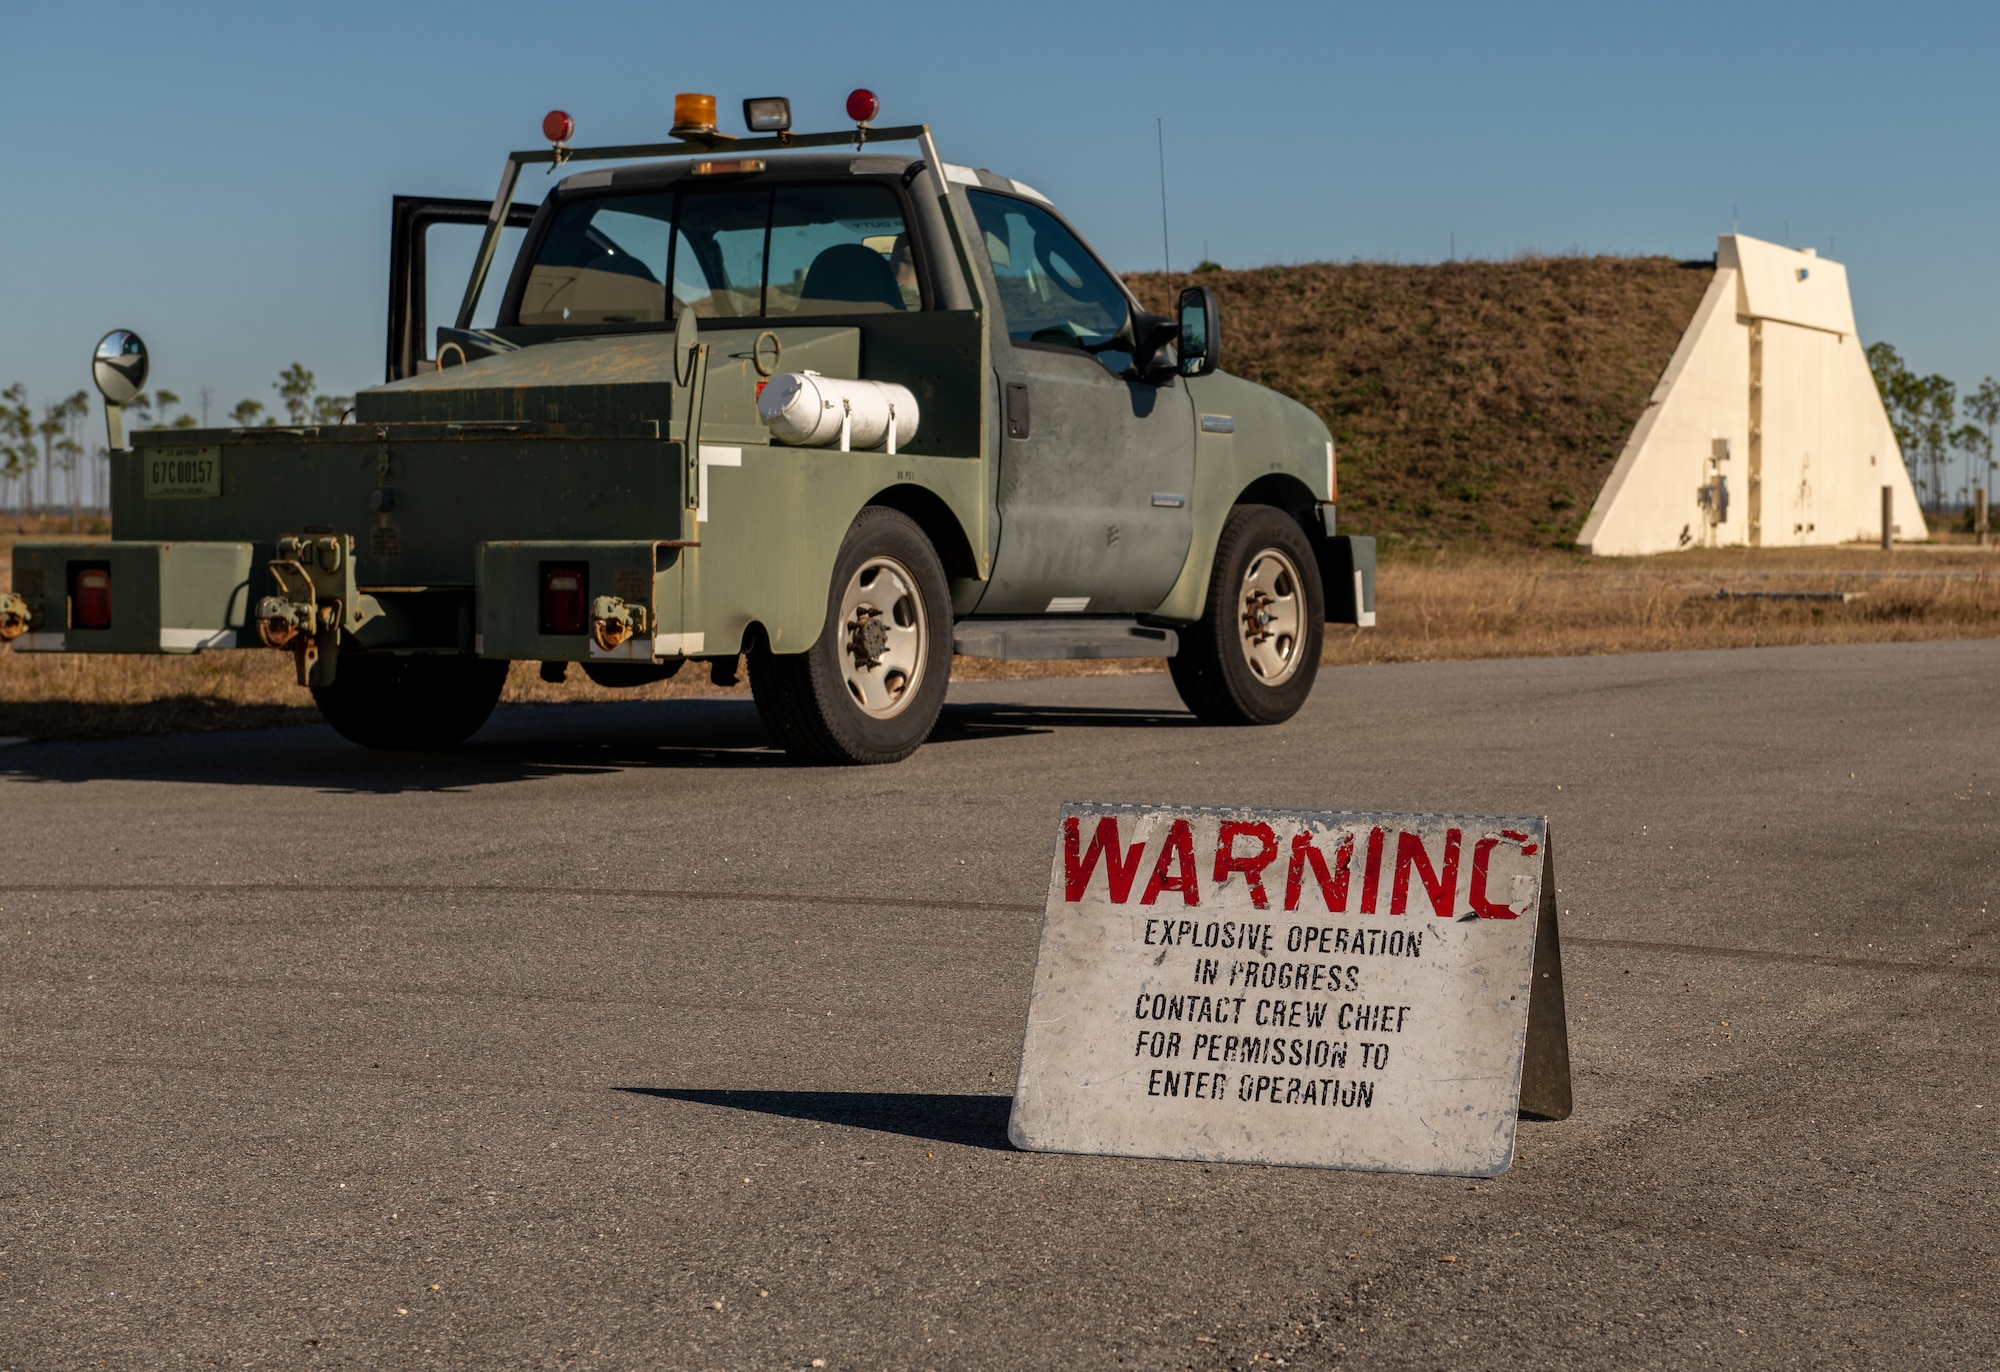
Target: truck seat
point(849, 276)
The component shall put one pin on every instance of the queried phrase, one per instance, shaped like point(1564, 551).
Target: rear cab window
point(782, 252)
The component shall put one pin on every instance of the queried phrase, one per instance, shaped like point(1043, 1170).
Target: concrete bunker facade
point(1766, 429)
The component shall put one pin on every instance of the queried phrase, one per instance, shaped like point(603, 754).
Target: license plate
point(183, 472)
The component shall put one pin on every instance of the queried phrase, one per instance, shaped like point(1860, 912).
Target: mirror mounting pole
point(114, 425)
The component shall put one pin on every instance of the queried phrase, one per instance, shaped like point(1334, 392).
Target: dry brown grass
point(1561, 605)
point(1434, 607)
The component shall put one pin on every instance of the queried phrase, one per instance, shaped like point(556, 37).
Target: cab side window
point(1054, 292)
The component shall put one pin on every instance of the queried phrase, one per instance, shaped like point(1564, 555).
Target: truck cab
point(846, 410)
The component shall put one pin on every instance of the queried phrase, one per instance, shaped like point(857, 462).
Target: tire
point(410, 703)
point(869, 690)
point(1233, 669)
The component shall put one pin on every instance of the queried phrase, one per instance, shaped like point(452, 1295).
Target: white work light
point(768, 114)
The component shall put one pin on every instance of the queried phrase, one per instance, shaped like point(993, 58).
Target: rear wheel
point(869, 690)
point(410, 703)
point(1253, 656)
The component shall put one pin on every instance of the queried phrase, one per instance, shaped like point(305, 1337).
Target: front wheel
point(1254, 654)
point(869, 690)
point(410, 703)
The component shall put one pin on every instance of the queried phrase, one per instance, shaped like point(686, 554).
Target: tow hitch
point(13, 616)
point(317, 601)
point(613, 622)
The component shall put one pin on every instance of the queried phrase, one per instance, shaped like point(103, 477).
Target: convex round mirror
point(119, 365)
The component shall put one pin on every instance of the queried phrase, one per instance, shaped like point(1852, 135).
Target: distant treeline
point(1924, 411)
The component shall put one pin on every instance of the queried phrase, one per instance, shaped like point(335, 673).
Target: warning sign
point(1321, 988)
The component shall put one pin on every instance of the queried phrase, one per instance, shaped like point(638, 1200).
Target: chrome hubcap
point(882, 637)
point(1271, 616)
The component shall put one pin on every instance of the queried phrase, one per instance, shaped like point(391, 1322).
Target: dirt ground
point(1431, 608)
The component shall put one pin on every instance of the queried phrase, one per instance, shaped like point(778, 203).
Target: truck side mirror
point(1201, 338)
point(119, 366)
point(119, 369)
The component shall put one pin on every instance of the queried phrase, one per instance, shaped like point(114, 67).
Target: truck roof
point(634, 175)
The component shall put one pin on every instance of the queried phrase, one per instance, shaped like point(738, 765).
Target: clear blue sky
point(217, 176)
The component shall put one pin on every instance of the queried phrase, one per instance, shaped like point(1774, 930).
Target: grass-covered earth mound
point(1470, 402)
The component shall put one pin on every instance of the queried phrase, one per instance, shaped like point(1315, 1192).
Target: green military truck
point(787, 395)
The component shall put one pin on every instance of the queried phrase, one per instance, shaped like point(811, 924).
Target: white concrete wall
point(1793, 286)
point(1649, 499)
point(1827, 449)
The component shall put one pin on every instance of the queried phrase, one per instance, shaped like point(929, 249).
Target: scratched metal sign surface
point(1319, 988)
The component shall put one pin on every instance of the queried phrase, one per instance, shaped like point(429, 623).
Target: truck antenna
point(1166, 252)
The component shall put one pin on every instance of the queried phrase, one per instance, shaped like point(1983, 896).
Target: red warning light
point(557, 126)
point(90, 605)
point(565, 598)
point(863, 105)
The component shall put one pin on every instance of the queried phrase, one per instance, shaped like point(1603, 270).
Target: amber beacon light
point(694, 114)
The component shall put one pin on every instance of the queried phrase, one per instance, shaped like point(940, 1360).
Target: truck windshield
point(742, 253)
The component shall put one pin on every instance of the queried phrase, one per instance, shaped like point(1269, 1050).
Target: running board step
point(1065, 636)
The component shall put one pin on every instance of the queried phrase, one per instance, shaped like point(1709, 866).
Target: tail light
point(90, 600)
point(565, 600)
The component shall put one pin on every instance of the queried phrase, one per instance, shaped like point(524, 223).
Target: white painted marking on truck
point(197, 639)
point(1023, 188)
point(631, 650)
point(714, 457)
point(1329, 469)
point(965, 176)
point(1364, 618)
point(1218, 424)
point(1069, 604)
point(676, 645)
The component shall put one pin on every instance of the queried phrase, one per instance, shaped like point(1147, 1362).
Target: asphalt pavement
point(617, 1040)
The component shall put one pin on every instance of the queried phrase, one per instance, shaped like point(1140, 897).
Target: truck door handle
point(1017, 410)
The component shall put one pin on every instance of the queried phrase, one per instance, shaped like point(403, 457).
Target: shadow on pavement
point(974, 1121)
point(521, 743)
point(976, 720)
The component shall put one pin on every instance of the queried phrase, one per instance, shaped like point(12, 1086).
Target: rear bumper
point(165, 597)
point(646, 576)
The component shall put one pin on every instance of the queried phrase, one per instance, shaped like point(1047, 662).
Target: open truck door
point(411, 219)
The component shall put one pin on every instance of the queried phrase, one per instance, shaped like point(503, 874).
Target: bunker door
point(411, 218)
point(1096, 469)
